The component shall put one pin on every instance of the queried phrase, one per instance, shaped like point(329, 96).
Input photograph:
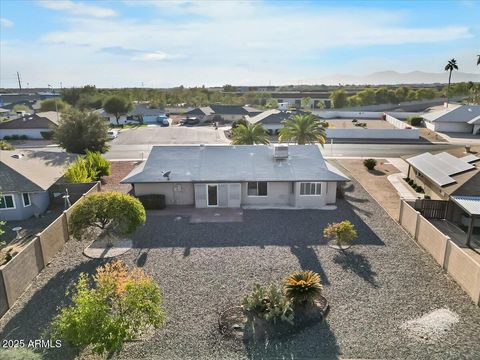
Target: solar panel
point(470, 158)
point(428, 165)
point(450, 164)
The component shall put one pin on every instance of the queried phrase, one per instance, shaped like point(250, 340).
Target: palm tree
point(250, 134)
point(451, 65)
point(478, 59)
point(303, 129)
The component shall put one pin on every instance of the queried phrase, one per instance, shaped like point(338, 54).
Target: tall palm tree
point(250, 134)
point(451, 65)
point(303, 129)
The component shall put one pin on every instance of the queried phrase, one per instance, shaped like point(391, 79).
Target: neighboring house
point(456, 118)
point(443, 175)
point(228, 113)
point(25, 180)
point(294, 98)
point(30, 125)
point(272, 120)
point(238, 176)
point(140, 114)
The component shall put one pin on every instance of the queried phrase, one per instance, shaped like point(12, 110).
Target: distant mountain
point(392, 78)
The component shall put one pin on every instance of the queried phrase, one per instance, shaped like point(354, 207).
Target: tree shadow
point(33, 320)
point(322, 344)
point(358, 264)
point(377, 172)
point(308, 260)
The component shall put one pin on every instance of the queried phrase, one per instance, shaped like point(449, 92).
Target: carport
point(471, 206)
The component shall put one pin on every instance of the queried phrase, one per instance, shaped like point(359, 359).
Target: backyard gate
point(432, 209)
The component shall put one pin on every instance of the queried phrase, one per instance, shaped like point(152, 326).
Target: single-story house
point(294, 98)
point(228, 113)
point(141, 113)
point(30, 125)
point(455, 118)
point(238, 176)
point(25, 180)
point(272, 120)
point(444, 175)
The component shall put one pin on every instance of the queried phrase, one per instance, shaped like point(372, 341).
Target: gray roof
point(219, 109)
point(440, 167)
point(229, 163)
point(455, 113)
point(31, 171)
point(471, 204)
point(272, 116)
point(45, 120)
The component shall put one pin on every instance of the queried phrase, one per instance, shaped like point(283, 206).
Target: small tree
point(4, 145)
point(112, 307)
point(117, 106)
point(53, 105)
point(271, 104)
point(107, 211)
point(20, 107)
point(370, 163)
point(79, 131)
point(303, 129)
point(343, 233)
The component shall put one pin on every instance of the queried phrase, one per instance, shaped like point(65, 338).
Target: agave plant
point(303, 287)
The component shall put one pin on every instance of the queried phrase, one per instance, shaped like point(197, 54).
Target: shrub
point(97, 162)
point(420, 189)
point(23, 137)
point(7, 137)
point(407, 179)
point(17, 353)
point(5, 145)
point(354, 120)
point(302, 287)
point(103, 210)
point(80, 172)
point(15, 137)
point(269, 304)
point(112, 307)
point(342, 233)
point(415, 120)
point(370, 163)
point(47, 135)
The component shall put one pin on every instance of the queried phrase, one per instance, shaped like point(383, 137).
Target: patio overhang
point(471, 205)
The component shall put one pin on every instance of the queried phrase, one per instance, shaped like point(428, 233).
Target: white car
point(112, 134)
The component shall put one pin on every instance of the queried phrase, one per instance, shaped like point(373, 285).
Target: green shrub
point(420, 189)
point(415, 120)
point(23, 137)
point(100, 165)
point(342, 233)
point(5, 145)
point(47, 135)
point(302, 287)
point(105, 210)
point(354, 120)
point(80, 172)
point(370, 163)
point(15, 137)
point(7, 137)
point(414, 186)
point(269, 304)
point(114, 306)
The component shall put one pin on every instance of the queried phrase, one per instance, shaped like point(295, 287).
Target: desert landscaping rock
point(381, 282)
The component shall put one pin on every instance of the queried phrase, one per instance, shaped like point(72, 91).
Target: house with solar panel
point(229, 176)
point(443, 175)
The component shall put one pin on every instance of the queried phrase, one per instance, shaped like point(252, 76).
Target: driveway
point(153, 135)
point(373, 288)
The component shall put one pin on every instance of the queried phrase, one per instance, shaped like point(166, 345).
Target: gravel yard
point(373, 288)
point(348, 124)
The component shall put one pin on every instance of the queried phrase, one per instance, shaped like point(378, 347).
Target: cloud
point(140, 55)
point(78, 8)
point(5, 23)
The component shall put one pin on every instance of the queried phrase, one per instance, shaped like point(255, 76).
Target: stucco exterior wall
point(310, 201)
point(30, 133)
point(39, 204)
point(175, 193)
point(453, 127)
point(278, 193)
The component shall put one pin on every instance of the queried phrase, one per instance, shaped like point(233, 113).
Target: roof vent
point(280, 151)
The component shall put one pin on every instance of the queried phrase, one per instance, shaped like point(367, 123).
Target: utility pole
point(19, 82)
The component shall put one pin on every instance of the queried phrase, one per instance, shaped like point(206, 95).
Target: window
point(26, 199)
point(310, 188)
point(257, 188)
point(7, 202)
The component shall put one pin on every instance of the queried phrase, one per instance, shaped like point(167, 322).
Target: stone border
point(98, 248)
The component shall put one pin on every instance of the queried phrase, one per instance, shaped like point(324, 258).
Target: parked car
point(112, 134)
point(163, 120)
point(189, 121)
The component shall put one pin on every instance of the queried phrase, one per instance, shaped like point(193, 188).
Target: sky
point(135, 43)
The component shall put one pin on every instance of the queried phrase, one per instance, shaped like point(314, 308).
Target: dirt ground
point(348, 124)
point(431, 136)
point(120, 169)
point(375, 182)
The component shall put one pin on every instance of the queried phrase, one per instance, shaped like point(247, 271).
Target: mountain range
point(392, 78)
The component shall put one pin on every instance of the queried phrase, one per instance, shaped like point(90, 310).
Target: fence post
point(400, 215)
point(446, 253)
point(417, 223)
